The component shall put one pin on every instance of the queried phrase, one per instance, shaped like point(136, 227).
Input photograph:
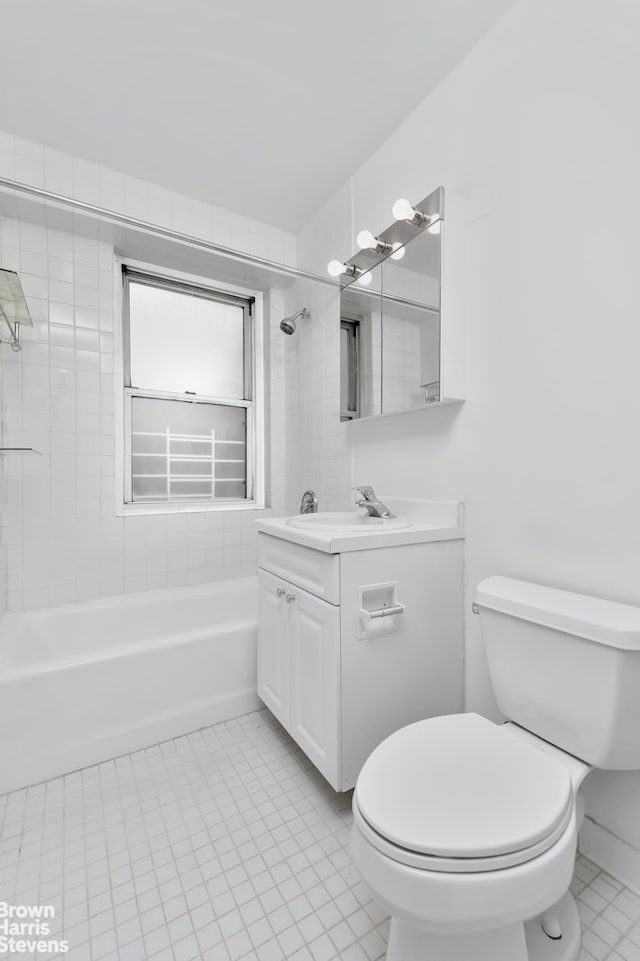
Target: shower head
point(288, 325)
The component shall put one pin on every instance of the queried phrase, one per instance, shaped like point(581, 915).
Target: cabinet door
point(314, 640)
point(273, 646)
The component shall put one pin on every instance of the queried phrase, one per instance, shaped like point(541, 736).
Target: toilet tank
point(566, 667)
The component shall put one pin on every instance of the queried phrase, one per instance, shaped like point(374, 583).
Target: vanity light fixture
point(402, 210)
point(390, 243)
point(367, 241)
point(336, 267)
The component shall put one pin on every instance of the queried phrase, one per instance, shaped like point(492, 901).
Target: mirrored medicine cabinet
point(390, 330)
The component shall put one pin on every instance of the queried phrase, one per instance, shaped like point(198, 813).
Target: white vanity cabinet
point(299, 667)
point(337, 680)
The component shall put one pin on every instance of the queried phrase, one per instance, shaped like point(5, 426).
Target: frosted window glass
point(179, 342)
point(187, 451)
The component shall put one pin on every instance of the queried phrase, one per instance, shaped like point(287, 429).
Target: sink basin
point(347, 521)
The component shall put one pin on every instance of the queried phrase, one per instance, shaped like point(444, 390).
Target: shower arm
point(14, 343)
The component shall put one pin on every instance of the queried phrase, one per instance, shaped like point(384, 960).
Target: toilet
point(465, 830)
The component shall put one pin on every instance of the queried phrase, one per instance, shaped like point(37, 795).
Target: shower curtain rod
point(102, 213)
point(112, 216)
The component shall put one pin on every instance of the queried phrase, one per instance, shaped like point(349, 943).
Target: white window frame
point(353, 325)
point(254, 371)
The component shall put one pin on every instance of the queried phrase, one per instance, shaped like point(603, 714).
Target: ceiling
point(264, 108)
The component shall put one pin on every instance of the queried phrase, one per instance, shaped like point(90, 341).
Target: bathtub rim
point(232, 585)
point(163, 641)
point(240, 585)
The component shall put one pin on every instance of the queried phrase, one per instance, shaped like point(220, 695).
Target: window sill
point(137, 510)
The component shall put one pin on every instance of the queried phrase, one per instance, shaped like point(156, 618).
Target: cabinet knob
point(290, 597)
point(280, 592)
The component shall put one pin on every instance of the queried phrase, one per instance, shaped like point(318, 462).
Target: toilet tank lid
point(605, 622)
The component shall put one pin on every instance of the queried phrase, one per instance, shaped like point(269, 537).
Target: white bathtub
point(88, 682)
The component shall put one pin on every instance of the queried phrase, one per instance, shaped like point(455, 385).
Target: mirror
point(361, 349)
point(390, 329)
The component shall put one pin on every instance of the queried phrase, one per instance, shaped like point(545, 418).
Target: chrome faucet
point(372, 505)
point(309, 503)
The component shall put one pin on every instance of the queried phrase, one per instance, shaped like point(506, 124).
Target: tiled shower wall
point(316, 440)
point(62, 540)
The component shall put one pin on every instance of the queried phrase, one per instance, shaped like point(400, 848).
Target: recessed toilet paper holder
point(378, 609)
point(384, 611)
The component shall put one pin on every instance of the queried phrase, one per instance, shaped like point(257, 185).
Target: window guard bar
point(171, 478)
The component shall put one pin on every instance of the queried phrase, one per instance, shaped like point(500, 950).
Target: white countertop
point(430, 521)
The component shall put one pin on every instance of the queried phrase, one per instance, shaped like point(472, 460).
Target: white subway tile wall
point(277, 456)
point(401, 369)
point(60, 537)
point(317, 456)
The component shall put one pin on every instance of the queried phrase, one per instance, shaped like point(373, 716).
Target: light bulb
point(365, 240)
point(434, 228)
point(336, 267)
point(402, 210)
point(398, 252)
point(365, 279)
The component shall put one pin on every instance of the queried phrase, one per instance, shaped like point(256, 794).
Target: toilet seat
point(461, 794)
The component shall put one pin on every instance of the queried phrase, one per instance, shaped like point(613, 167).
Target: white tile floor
point(221, 845)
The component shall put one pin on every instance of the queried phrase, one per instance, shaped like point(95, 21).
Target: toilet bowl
point(464, 830)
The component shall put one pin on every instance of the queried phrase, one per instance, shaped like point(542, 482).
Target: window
point(189, 381)
point(349, 364)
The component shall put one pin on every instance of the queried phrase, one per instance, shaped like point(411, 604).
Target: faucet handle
point(367, 492)
point(373, 506)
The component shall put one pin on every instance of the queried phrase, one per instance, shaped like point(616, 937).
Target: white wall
point(60, 540)
point(535, 132)
point(316, 444)
point(31, 163)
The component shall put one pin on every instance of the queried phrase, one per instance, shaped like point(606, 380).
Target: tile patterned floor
point(610, 915)
point(221, 845)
